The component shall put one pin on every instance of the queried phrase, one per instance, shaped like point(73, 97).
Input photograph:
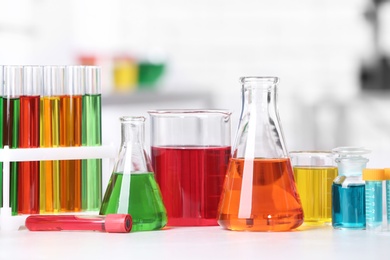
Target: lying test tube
point(111, 223)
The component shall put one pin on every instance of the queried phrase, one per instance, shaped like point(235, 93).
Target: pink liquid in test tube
point(111, 223)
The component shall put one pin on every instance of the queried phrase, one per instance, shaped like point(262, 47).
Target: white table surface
point(200, 243)
point(196, 243)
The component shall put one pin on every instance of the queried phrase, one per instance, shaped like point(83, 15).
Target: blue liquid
point(374, 212)
point(388, 201)
point(348, 206)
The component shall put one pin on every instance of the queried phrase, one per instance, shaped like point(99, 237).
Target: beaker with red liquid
point(259, 192)
point(190, 151)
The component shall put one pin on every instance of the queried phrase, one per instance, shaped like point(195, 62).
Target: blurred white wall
point(315, 47)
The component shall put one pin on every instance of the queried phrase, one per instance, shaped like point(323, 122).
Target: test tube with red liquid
point(111, 223)
point(28, 172)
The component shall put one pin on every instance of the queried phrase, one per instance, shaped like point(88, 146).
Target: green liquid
point(91, 176)
point(11, 113)
point(1, 147)
point(138, 195)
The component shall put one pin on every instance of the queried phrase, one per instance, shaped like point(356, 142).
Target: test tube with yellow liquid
point(49, 137)
point(314, 172)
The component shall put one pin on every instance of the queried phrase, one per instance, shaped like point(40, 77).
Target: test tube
point(91, 181)
point(387, 182)
point(1, 130)
point(28, 171)
point(112, 223)
point(70, 135)
point(374, 201)
point(13, 82)
point(49, 137)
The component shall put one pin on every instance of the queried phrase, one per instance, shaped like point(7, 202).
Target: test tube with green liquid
point(13, 83)
point(1, 132)
point(91, 180)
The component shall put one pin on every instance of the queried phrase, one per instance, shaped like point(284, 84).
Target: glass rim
point(350, 150)
point(132, 118)
point(260, 79)
point(171, 112)
point(311, 153)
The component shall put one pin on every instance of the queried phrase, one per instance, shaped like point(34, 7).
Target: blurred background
point(332, 58)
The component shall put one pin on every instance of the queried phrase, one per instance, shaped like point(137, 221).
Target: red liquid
point(191, 180)
point(28, 172)
point(117, 223)
point(275, 205)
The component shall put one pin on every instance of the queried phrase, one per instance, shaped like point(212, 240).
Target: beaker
point(259, 192)
point(314, 172)
point(190, 152)
point(132, 188)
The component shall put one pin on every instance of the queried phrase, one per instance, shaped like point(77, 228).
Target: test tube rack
point(7, 155)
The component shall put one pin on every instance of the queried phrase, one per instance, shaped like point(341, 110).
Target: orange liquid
point(70, 170)
point(275, 202)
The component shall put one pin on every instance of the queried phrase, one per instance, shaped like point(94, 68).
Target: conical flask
point(259, 191)
point(132, 187)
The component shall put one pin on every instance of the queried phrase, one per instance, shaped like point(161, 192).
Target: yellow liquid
point(49, 170)
point(314, 186)
point(55, 141)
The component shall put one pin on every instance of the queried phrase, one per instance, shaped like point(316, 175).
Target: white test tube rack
point(9, 222)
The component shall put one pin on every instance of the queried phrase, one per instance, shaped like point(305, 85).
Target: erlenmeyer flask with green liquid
point(132, 187)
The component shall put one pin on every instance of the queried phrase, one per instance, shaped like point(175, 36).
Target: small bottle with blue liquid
point(348, 189)
point(374, 198)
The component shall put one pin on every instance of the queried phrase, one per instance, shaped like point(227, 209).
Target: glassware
point(259, 192)
point(132, 187)
point(1, 130)
point(314, 172)
point(54, 77)
point(374, 198)
point(91, 177)
point(28, 172)
point(348, 189)
point(13, 84)
point(112, 223)
point(70, 135)
point(387, 183)
point(190, 153)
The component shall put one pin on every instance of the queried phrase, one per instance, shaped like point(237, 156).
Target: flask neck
point(132, 130)
point(132, 157)
point(260, 134)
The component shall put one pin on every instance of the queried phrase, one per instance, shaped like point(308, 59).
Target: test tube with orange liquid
point(70, 135)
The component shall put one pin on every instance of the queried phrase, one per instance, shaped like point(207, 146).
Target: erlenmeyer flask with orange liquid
point(259, 192)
